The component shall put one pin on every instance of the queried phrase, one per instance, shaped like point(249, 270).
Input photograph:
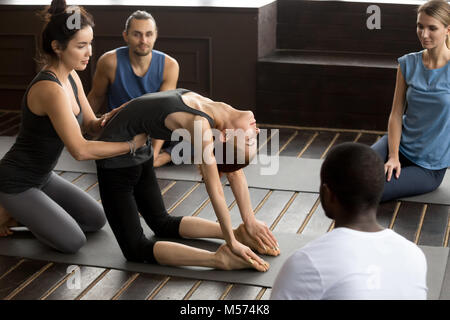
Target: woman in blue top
point(417, 146)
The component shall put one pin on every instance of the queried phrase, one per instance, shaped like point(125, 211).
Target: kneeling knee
point(73, 244)
point(96, 222)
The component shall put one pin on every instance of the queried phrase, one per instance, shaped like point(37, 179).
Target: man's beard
point(142, 53)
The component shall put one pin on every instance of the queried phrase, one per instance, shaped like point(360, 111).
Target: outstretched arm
point(214, 188)
point(258, 230)
point(395, 127)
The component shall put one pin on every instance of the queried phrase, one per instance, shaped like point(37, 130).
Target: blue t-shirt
point(426, 124)
point(127, 85)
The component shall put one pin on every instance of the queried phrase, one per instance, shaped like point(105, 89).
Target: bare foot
point(6, 221)
point(243, 237)
point(229, 261)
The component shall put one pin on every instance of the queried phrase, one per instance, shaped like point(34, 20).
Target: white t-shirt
point(355, 265)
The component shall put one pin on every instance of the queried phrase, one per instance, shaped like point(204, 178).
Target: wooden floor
point(294, 212)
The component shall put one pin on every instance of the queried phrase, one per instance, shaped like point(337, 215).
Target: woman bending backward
point(128, 185)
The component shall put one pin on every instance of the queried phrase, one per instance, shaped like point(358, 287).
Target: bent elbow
point(79, 155)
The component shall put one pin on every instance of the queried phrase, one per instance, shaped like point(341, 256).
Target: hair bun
point(57, 7)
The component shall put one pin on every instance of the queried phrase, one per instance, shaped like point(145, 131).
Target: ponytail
point(57, 7)
point(56, 28)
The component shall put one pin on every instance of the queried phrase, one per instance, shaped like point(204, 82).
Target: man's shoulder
point(108, 57)
point(169, 60)
point(107, 63)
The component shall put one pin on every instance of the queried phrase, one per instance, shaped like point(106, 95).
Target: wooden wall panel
point(217, 46)
point(11, 98)
point(194, 58)
point(341, 26)
point(17, 66)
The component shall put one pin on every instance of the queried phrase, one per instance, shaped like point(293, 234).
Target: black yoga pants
point(126, 192)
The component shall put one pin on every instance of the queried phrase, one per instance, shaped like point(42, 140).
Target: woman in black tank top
point(128, 184)
point(55, 111)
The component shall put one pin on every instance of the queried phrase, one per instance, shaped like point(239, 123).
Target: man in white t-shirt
point(358, 259)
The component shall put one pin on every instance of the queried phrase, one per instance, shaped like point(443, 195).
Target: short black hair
point(355, 174)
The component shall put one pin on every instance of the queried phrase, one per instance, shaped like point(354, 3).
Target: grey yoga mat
point(276, 173)
point(439, 196)
point(101, 250)
point(293, 174)
point(437, 259)
point(303, 175)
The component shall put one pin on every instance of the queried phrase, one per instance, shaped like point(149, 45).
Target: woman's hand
point(393, 164)
point(107, 116)
point(248, 255)
point(261, 236)
point(261, 233)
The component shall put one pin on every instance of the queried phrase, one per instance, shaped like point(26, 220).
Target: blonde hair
point(440, 10)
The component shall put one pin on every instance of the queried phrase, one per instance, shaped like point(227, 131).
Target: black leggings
point(127, 191)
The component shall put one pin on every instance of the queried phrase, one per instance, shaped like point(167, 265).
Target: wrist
point(132, 146)
point(249, 219)
point(229, 238)
point(233, 243)
point(394, 156)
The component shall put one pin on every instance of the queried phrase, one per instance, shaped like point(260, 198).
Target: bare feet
point(6, 221)
point(229, 261)
point(243, 237)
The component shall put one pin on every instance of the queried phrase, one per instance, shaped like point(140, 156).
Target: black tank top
point(145, 114)
point(35, 153)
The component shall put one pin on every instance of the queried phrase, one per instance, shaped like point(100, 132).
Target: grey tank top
point(145, 114)
point(37, 148)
